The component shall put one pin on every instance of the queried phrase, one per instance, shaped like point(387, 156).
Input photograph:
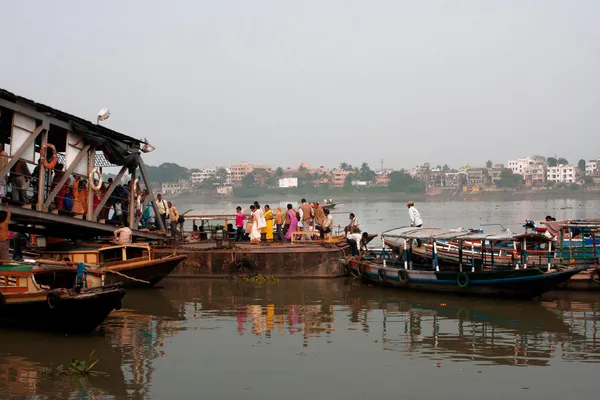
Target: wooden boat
point(133, 265)
point(25, 303)
point(485, 280)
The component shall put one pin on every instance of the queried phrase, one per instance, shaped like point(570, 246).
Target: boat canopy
point(410, 233)
point(213, 215)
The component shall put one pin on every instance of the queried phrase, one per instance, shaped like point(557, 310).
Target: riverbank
point(196, 198)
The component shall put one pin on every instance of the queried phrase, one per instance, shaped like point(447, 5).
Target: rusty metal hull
point(277, 260)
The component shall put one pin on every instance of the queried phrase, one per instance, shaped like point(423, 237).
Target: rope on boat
point(126, 276)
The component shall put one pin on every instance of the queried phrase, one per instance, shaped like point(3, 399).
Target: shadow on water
point(281, 321)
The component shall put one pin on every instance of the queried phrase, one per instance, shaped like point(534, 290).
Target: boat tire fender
point(2, 299)
point(402, 276)
point(596, 276)
point(463, 280)
point(44, 154)
point(381, 274)
point(95, 173)
point(119, 304)
point(53, 299)
point(361, 269)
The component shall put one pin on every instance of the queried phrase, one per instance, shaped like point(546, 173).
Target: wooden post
point(157, 217)
point(132, 198)
point(90, 193)
point(15, 157)
point(109, 191)
point(68, 173)
point(42, 171)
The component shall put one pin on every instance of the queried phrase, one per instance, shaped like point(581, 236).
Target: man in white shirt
point(413, 213)
point(163, 209)
point(123, 235)
point(353, 234)
point(327, 225)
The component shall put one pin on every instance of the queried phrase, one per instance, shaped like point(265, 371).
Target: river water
point(219, 339)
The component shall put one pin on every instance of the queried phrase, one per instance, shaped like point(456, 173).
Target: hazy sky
point(279, 82)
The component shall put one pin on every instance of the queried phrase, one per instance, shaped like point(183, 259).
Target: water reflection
point(219, 320)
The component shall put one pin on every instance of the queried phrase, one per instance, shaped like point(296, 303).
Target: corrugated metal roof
point(100, 161)
point(66, 117)
point(444, 234)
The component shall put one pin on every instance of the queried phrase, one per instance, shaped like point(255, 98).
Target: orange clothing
point(4, 226)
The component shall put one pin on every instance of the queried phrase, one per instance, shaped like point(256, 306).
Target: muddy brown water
point(218, 339)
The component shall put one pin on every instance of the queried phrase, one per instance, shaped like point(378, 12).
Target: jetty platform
point(282, 260)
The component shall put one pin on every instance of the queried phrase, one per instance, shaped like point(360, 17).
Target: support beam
point(90, 193)
point(42, 177)
point(68, 173)
point(15, 157)
point(157, 217)
point(109, 191)
point(132, 198)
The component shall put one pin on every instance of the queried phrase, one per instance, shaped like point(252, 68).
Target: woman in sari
point(255, 232)
point(269, 222)
point(77, 194)
point(293, 222)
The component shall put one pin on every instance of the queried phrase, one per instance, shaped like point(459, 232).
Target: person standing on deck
point(255, 235)
point(413, 213)
point(19, 174)
point(279, 221)
point(306, 214)
point(174, 217)
point(293, 224)
point(3, 162)
point(269, 221)
point(353, 235)
point(4, 221)
point(239, 224)
point(415, 218)
point(163, 210)
point(320, 216)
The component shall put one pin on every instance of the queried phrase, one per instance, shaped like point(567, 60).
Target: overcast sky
point(280, 82)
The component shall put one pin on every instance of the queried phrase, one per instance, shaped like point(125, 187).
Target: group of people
point(264, 224)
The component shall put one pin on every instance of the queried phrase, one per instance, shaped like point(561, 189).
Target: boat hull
point(79, 313)
point(151, 272)
point(517, 284)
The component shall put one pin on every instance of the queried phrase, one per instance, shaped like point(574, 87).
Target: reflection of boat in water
point(457, 329)
point(150, 303)
point(22, 363)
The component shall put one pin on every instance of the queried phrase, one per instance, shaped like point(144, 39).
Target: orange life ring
point(43, 155)
point(95, 172)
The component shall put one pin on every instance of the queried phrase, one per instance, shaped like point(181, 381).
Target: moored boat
point(485, 279)
point(25, 303)
point(133, 265)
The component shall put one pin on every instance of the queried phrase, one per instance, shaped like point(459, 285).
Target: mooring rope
point(126, 276)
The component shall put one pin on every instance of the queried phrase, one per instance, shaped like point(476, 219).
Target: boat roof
point(410, 232)
point(213, 215)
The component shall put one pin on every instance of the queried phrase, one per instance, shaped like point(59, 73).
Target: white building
point(175, 187)
point(564, 174)
point(225, 190)
point(288, 182)
point(202, 175)
point(534, 171)
point(591, 168)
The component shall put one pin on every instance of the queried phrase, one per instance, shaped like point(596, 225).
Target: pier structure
point(40, 135)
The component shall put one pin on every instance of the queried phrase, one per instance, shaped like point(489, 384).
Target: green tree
point(489, 164)
point(221, 175)
point(345, 167)
point(581, 165)
point(279, 172)
point(248, 181)
point(509, 180)
point(562, 161)
point(588, 181)
point(446, 168)
point(403, 182)
point(552, 162)
point(366, 173)
point(348, 180)
point(166, 172)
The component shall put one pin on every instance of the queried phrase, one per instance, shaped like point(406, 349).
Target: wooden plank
point(157, 217)
point(109, 191)
point(132, 196)
point(68, 173)
point(90, 193)
point(30, 140)
point(42, 178)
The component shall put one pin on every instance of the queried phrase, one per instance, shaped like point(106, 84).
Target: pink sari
point(293, 224)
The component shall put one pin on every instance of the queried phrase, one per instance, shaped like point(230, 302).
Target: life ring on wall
point(95, 172)
point(44, 153)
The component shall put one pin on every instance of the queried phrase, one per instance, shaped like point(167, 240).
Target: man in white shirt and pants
point(415, 218)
